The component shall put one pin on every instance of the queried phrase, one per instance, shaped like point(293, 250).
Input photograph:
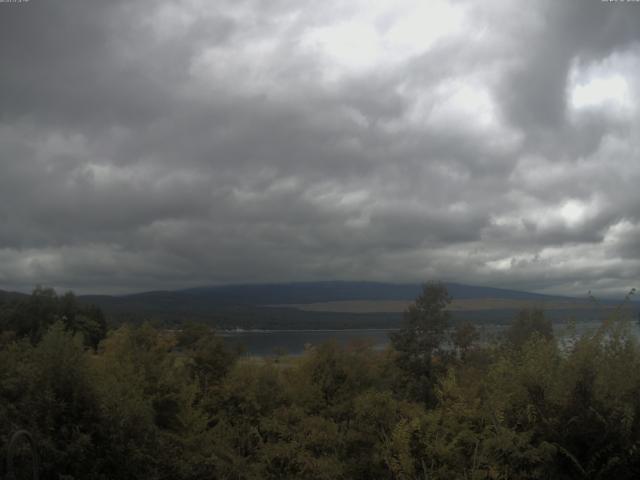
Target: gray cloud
point(180, 143)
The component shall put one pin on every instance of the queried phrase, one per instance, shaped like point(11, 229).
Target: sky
point(169, 144)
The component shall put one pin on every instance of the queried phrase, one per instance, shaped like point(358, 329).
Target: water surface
point(294, 342)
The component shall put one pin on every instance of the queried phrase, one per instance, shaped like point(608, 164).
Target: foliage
point(30, 317)
point(527, 324)
point(463, 338)
point(420, 340)
point(154, 404)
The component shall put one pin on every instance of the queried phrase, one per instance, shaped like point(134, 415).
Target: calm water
point(293, 342)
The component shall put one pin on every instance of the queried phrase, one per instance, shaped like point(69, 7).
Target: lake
point(293, 342)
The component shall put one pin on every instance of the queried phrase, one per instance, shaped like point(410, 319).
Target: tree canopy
point(156, 404)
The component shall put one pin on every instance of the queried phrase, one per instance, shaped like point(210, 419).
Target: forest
point(140, 402)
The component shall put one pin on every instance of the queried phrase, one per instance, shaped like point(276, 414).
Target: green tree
point(32, 316)
point(421, 339)
point(210, 359)
point(463, 338)
point(528, 323)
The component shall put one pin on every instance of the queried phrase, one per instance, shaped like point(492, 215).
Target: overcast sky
point(168, 144)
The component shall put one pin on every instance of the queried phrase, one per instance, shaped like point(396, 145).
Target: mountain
point(314, 292)
point(313, 305)
point(9, 296)
point(327, 305)
point(203, 300)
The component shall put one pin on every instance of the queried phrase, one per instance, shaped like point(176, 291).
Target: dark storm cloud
point(568, 31)
point(167, 144)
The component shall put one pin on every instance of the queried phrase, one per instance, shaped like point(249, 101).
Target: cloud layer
point(170, 144)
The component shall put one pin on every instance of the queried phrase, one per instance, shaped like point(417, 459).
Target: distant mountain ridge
point(200, 298)
point(306, 292)
point(8, 296)
point(313, 292)
point(311, 305)
point(272, 300)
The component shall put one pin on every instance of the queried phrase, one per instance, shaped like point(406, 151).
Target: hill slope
point(314, 305)
point(314, 292)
